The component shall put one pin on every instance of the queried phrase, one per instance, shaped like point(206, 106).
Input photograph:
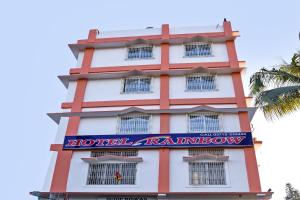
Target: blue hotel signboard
point(220, 139)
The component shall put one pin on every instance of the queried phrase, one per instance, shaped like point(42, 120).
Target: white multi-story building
point(158, 113)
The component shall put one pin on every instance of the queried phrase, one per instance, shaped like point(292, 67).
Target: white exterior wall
point(236, 174)
point(80, 58)
point(49, 175)
point(109, 125)
point(129, 33)
point(111, 89)
point(71, 91)
point(118, 57)
point(223, 82)
point(196, 29)
point(179, 123)
point(146, 177)
point(219, 54)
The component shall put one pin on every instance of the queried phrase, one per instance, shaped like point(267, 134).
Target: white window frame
point(136, 92)
point(201, 75)
point(199, 43)
point(226, 171)
point(220, 117)
point(140, 46)
point(106, 164)
point(132, 115)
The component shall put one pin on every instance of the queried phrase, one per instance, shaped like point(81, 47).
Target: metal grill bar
point(137, 84)
point(204, 123)
point(140, 52)
point(104, 173)
point(200, 83)
point(197, 50)
point(202, 151)
point(207, 173)
point(138, 123)
point(126, 153)
point(126, 198)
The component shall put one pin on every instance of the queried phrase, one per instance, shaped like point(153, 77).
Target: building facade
point(158, 113)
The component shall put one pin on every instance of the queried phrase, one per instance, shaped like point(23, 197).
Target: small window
point(130, 124)
point(137, 85)
point(125, 153)
point(207, 173)
point(201, 82)
point(204, 123)
point(112, 174)
point(192, 50)
point(143, 52)
point(201, 151)
point(127, 198)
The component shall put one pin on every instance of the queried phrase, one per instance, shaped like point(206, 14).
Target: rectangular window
point(192, 50)
point(137, 85)
point(207, 173)
point(202, 151)
point(138, 123)
point(105, 174)
point(200, 82)
point(126, 153)
point(202, 122)
point(128, 198)
point(140, 52)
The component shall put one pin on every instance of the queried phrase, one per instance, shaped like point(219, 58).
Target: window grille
point(204, 123)
point(126, 198)
point(137, 84)
point(138, 123)
point(207, 173)
point(104, 174)
point(140, 52)
point(126, 153)
point(201, 82)
point(198, 50)
point(202, 151)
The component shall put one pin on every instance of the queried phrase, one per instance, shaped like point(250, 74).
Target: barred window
point(200, 82)
point(137, 123)
point(207, 173)
point(126, 198)
point(198, 50)
point(201, 151)
point(126, 153)
point(203, 122)
point(140, 52)
point(137, 84)
point(105, 174)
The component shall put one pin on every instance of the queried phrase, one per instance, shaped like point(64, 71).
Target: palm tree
point(277, 91)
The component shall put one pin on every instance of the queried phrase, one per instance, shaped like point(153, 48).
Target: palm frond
point(279, 102)
point(294, 66)
point(264, 79)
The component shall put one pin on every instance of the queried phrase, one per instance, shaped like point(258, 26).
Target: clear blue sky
point(34, 37)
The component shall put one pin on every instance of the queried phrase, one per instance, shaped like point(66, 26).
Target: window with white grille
point(137, 85)
point(207, 173)
point(136, 123)
point(126, 153)
point(202, 151)
point(201, 82)
point(204, 122)
point(192, 50)
point(126, 198)
point(142, 52)
point(112, 174)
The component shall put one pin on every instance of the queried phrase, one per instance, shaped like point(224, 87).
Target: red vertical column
point(249, 152)
point(164, 154)
point(63, 161)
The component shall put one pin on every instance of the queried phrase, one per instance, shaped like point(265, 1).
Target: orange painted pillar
point(249, 152)
point(63, 161)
